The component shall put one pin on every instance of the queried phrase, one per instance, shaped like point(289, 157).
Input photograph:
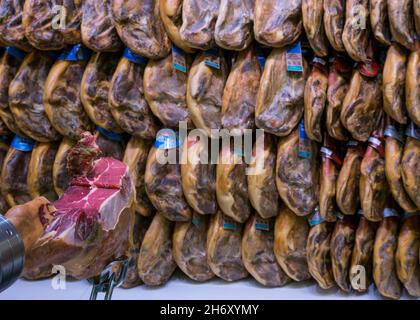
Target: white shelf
point(181, 288)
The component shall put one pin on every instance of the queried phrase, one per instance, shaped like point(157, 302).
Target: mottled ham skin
point(199, 21)
point(355, 37)
point(165, 90)
point(313, 23)
point(363, 251)
point(140, 27)
point(407, 255)
point(171, 14)
point(277, 23)
point(334, 18)
point(127, 100)
point(290, 240)
point(98, 30)
point(224, 248)
point(156, 262)
point(12, 31)
point(379, 21)
point(393, 84)
point(280, 101)
point(338, 85)
point(189, 248)
point(412, 87)
point(234, 24)
point(384, 262)
point(318, 252)
point(401, 21)
point(240, 93)
point(342, 242)
point(411, 169)
point(258, 255)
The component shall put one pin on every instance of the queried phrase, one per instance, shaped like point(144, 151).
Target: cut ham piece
point(89, 225)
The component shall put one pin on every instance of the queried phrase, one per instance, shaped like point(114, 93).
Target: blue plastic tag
point(294, 58)
point(390, 212)
point(315, 218)
point(212, 58)
point(134, 57)
point(111, 135)
point(167, 139)
point(304, 142)
point(413, 131)
point(228, 223)
point(76, 53)
point(16, 53)
point(179, 62)
point(22, 144)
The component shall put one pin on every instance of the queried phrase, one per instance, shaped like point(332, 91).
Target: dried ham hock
point(234, 29)
point(171, 14)
point(277, 23)
point(198, 23)
point(165, 90)
point(262, 189)
point(135, 158)
point(258, 252)
point(9, 66)
point(12, 31)
point(362, 106)
point(356, 32)
point(14, 174)
point(60, 174)
point(199, 177)
point(315, 97)
point(384, 256)
point(224, 242)
point(163, 184)
point(407, 255)
point(240, 93)
point(62, 99)
point(362, 255)
point(44, 26)
point(189, 248)
point(374, 188)
point(98, 30)
point(313, 23)
point(40, 181)
point(401, 22)
point(138, 228)
point(281, 95)
point(393, 86)
point(379, 21)
point(88, 225)
point(95, 87)
point(25, 97)
point(297, 178)
point(412, 87)
point(342, 242)
point(140, 27)
point(318, 252)
point(334, 19)
point(156, 262)
point(348, 181)
point(231, 185)
point(338, 85)
point(290, 239)
point(394, 149)
point(205, 92)
point(410, 167)
point(127, 100)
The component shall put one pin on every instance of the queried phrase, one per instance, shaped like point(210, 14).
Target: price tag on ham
point(179, 62)
point(228, 223)
point(304, 142)
point(294, 59)
point(212, 58)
